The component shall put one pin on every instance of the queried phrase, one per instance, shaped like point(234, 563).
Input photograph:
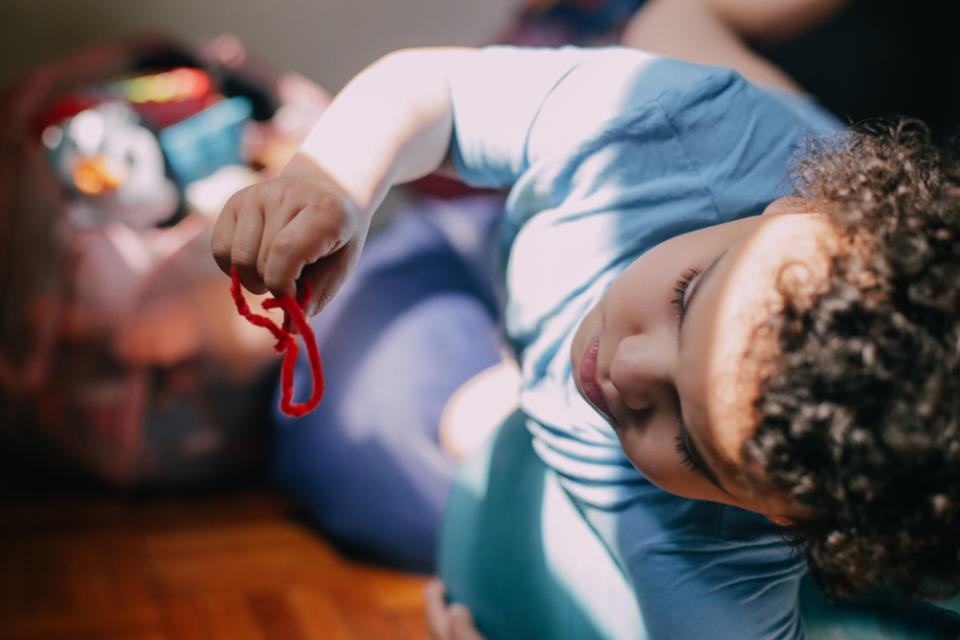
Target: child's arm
point(389, 125)
point(767, 22)
point(717, 31)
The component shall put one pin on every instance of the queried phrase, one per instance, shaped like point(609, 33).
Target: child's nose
point(641, 371)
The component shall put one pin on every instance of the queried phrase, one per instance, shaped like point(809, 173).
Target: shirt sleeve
point(704, 570)
point(513, 107)
point(499, 94)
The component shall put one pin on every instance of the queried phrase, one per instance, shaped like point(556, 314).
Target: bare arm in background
point(718, 32)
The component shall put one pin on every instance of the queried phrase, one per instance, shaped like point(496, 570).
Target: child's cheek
point(653, 456)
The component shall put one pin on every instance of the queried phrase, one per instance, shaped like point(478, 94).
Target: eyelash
point(679, 292)
point(680, 289)
point(685, 458)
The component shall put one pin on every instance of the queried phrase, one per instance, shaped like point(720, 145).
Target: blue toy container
point(207, 141)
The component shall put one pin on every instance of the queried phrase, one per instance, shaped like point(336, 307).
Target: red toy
point(287, 342)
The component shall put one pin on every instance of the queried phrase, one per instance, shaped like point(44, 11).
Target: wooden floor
point(236, 567)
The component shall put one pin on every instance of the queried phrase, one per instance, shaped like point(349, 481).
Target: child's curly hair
point(860, 418)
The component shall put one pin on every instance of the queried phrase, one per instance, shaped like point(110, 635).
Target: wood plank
point(356, 611)
point(118, 568)
point(183, 619)
point(44, 580)
point(44, 624)
point(88, 585)
point(412, 626)
point(393, 592)
point(228, 618)
point(318, 616)
point(238, 570)
point(274, 616)
point(127, 569)
point(151, 634)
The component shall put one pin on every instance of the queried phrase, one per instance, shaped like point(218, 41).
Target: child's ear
point(783, 521)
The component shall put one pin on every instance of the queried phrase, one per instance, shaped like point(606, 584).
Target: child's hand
point(301, 223)
point(447, 622)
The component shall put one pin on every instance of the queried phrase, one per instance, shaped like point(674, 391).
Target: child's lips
point(588, 379)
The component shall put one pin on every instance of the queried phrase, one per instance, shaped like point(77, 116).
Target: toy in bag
point(121, 351)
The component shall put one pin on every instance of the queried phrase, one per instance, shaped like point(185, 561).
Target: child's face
point(679, 394)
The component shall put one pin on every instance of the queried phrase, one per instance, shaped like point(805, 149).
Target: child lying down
point(720, 341)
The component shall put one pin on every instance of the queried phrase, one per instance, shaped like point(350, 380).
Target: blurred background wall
point(327, 40)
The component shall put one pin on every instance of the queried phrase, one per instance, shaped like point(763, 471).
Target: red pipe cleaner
point(287, 342)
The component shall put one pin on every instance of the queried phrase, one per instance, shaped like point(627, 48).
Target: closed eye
point(690, 457)
point(680, 291)
point(686, 458)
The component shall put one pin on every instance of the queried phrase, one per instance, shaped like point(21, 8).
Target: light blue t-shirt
point(609, 152)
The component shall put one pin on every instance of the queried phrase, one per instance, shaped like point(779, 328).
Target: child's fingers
point(221, 238)
point(247, 236)
point(436, 610)
point(452, 622)
point(308, 237)
point(461, 623)
point(273, 225)
point(326, 276)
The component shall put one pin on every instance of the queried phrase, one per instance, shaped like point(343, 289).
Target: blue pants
point(417, 319)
